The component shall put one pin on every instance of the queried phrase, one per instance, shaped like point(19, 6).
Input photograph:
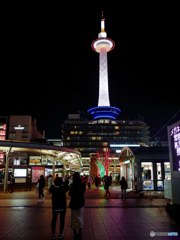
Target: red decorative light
point(104, 159)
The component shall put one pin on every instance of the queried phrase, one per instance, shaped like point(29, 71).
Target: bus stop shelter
point(66, 156)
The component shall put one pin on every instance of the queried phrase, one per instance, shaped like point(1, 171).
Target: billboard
point(20, 172)
point(36, 173)
point(174, 156)
point(175, 145)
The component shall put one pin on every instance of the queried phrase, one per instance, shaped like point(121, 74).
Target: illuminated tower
point(103, 45)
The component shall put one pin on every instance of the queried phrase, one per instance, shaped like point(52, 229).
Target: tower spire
point(103, 45)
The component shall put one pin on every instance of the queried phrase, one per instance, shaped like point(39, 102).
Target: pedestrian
point(110, 180)
point(106, 186)
point(58, 191)
point(12, 181)
point(97, 181)
point(50, 181)
point(41, 186)
point(89, 180)
point(77, 202)
point(56, 177)
point(124, 186)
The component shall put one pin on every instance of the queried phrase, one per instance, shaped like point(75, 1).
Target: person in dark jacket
point(123, 184)
point(41, 186)
point(77, 202)
point(58, 191)
point(106, 185)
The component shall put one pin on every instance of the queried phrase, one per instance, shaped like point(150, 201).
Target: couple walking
point(76, 205)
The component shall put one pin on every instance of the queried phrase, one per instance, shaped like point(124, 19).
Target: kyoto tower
point(103, 45)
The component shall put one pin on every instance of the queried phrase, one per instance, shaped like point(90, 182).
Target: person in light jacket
point(77, 202)
point(50, 181)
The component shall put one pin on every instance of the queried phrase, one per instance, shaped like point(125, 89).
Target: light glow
point(19, 127)
point(124, 145)
point(118, 151)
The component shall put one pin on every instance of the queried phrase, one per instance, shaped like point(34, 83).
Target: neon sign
point(19, 127)
point(175, 142)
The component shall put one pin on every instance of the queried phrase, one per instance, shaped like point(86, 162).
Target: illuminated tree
point(100, 168)
point(103, 160)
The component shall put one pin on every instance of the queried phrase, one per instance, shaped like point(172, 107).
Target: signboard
point(20, 172)
point(174, 157)
point(73, 166)
point(175, 144)
point(37, 172)
point(167, 189)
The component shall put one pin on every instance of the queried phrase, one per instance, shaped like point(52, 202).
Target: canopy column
point(6, 169)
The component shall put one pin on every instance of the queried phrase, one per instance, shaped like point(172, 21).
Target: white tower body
point(103, 78)
point(102, 45)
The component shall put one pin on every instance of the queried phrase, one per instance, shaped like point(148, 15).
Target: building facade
point(90, 136)
point(23, 128)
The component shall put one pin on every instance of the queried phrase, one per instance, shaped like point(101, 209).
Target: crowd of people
point(76, 185)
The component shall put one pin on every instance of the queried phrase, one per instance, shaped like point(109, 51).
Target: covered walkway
point(65, 155)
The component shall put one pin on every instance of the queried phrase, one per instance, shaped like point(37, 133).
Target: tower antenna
point(102, 14)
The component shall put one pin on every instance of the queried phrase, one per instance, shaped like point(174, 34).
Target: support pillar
point(53, 172)
point(6, 170)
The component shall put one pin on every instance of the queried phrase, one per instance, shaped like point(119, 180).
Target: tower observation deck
point(103, 45)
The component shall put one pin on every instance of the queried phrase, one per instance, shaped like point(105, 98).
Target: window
point(93, 138)
point(71, 132)
point(80, 132)
point(76, 132)
point(98, 138)
point(116, 127)
point(68, 138)
point(147, 175)
point(159, 177)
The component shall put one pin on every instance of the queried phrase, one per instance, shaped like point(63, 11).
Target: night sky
point(49, 69)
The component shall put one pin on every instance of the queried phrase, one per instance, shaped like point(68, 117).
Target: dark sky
point(49, 69)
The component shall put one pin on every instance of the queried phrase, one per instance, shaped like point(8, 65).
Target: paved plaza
point(22, 217)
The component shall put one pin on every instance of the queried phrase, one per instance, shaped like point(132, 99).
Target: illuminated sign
point(175, 143)
point(20, 172)
point(19, 127)
point(124, 145)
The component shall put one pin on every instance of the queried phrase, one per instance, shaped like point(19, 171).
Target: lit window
point(116, 127)
point(93, 138)
point(98, 138)
point(68, 138)
point(74, 126)
point(76, 132)
point(71, 132)
point(106, 121)
point(117, 133)
point(80, 132)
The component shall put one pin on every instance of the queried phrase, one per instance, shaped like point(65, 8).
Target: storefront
point(153, 166)
point(126, 161)
point(40, 157)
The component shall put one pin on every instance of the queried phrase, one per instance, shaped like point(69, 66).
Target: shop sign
point(73, 166)
point(19, 127)
point(167, 189)
point(175, 143)
point(44, 160)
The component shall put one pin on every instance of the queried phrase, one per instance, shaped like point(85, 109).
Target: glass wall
point(159, 176)
point(167, 170)
point(147, 175)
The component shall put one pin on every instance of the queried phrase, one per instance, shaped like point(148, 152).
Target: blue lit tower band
point(103, 45)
